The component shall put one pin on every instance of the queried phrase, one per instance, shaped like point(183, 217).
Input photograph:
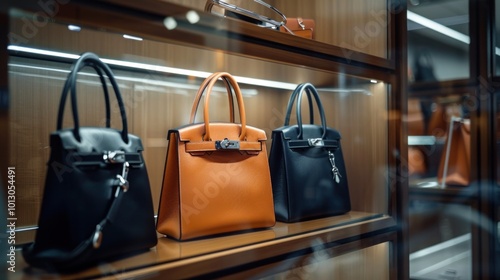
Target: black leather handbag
point(97, 203)
point(308, 173)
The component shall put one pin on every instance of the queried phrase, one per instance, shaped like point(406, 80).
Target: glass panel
point(158, 97)
point(438, 40)
point(440, 242)
point(430, 121)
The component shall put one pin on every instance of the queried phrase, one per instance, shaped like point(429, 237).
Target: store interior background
point(440, 231)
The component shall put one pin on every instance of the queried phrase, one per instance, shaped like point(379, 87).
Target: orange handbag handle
point(208, 84)
point(198, 98)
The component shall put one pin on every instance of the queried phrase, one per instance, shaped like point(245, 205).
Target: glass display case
point(160, 52)
point(453, 197)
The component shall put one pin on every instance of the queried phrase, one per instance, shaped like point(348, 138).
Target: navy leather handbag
point(308, 173)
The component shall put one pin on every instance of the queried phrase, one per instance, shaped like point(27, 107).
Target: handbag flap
point(219, 131)
point(229, 132)
point(308, 131)
point(95, 139)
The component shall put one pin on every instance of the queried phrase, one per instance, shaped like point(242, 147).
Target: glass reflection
point(438, 40)
point(434, 158)
point(440, 247)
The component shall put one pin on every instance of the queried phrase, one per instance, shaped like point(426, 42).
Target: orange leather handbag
point(299, 27)
point(216, 177)
point(454, 169)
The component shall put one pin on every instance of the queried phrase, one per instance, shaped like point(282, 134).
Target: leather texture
point(82, 191)
point(208, 191)
point(454, 168)
point(304, 186)
point(300, 27)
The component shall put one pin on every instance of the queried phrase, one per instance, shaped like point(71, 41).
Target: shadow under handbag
point(295, 26)
point(454, 168)
point(307, 166)
point(97, 203)
point(216, 177)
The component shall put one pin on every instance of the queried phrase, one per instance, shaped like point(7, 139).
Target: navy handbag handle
point(297, 95)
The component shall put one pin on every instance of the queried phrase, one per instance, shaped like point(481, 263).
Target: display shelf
point(145, 19)
point(176, 260)
point(431, 187)
point(447, 260)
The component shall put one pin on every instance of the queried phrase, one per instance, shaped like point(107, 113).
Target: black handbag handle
point(291, 102)
point(297, 95)
point(67, 84)
point(90, 59)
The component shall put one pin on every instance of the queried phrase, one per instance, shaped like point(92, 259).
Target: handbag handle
point(297, 95)
point(290, 106)
point(104, 87)
point(198, 98)
point(207, 85)
point(90, 59)
point(250, 14)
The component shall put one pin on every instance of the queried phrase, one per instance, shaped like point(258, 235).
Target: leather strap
point(67, 85)
point(313, 90)
point(291, 102)
point(297, 96)
point(327, 144)
point(89, 159)
point(67, 260)
point(210, 146)
point(206, 87)
point(197, 99)
point(89, 58)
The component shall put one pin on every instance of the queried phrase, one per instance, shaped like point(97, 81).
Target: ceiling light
point(75, 28)
point(170, 23)
point(437, 27)
point(192, 17)
point(130, 37)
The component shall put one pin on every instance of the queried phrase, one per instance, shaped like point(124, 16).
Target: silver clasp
point(227, 144)
point(301, 23)
point(122, 179)
point(97, 238)
point(335, 169)
point(316, 142)
point(113, 156)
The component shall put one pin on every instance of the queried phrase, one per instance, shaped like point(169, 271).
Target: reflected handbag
point(454, 168)
point(307, 165)
point(295, 26)
point(300, 27)
point(216, 177)
point(244, 14)
point(97, 203)
point(415, 121)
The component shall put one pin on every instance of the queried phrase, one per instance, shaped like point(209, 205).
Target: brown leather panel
point(209, 146)
point(220, 131)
